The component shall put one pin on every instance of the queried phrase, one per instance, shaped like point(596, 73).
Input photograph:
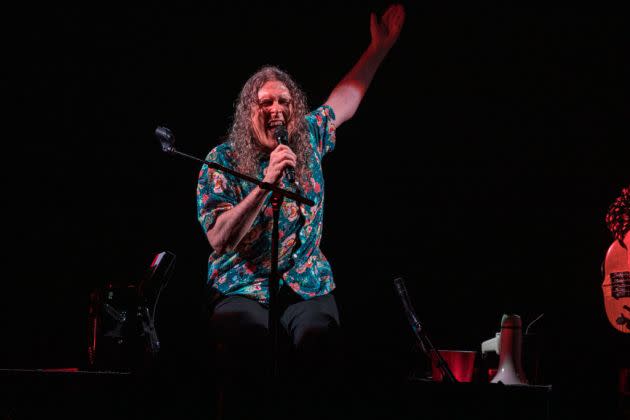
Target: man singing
point(237, 219)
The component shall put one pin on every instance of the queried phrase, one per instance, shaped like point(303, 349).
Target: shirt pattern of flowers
point(301, 264)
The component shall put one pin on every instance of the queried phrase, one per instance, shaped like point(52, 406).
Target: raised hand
point(385, 30)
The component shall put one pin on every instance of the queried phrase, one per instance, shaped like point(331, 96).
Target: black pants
point(309, 356)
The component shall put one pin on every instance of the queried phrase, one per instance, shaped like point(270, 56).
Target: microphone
point(166, 139)
point(282, 137)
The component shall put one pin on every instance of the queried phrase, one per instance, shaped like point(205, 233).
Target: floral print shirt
point(301, 264)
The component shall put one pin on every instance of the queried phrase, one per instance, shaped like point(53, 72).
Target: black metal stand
point(422, 338)
point(274, 283)
point(166, 138)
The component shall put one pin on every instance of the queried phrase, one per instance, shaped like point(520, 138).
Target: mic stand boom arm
point(263, 185)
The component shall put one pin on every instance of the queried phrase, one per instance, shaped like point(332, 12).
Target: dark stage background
point(479, 167)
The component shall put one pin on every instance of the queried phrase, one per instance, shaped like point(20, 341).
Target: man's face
point(274, 109)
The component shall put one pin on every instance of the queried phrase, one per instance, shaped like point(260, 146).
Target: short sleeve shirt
point(301, 264)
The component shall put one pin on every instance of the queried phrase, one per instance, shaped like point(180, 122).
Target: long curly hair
point(248, 153)
point(618, 215)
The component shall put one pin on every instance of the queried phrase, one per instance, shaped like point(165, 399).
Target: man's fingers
point(399, 16)
point(281, 150)
point(284, 155)
point(288, 160)
point(281, 158)
point(394, 15)
point(388, 13)
point(284, 161)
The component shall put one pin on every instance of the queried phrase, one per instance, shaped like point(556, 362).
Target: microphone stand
point(422, 339)
point(166, 138)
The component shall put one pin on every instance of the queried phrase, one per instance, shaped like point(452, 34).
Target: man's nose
point(276, 108)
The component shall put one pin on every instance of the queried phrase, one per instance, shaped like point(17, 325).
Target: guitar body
point(616, 287)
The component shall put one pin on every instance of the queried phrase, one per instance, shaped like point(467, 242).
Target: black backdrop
point(479, 167)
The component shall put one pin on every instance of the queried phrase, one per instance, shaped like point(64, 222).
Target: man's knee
point(239, 330)
point(316, 331)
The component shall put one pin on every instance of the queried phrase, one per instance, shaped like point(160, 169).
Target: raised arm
point(347, 95)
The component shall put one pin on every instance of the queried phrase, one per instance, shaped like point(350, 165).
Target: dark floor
point(29, 394)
